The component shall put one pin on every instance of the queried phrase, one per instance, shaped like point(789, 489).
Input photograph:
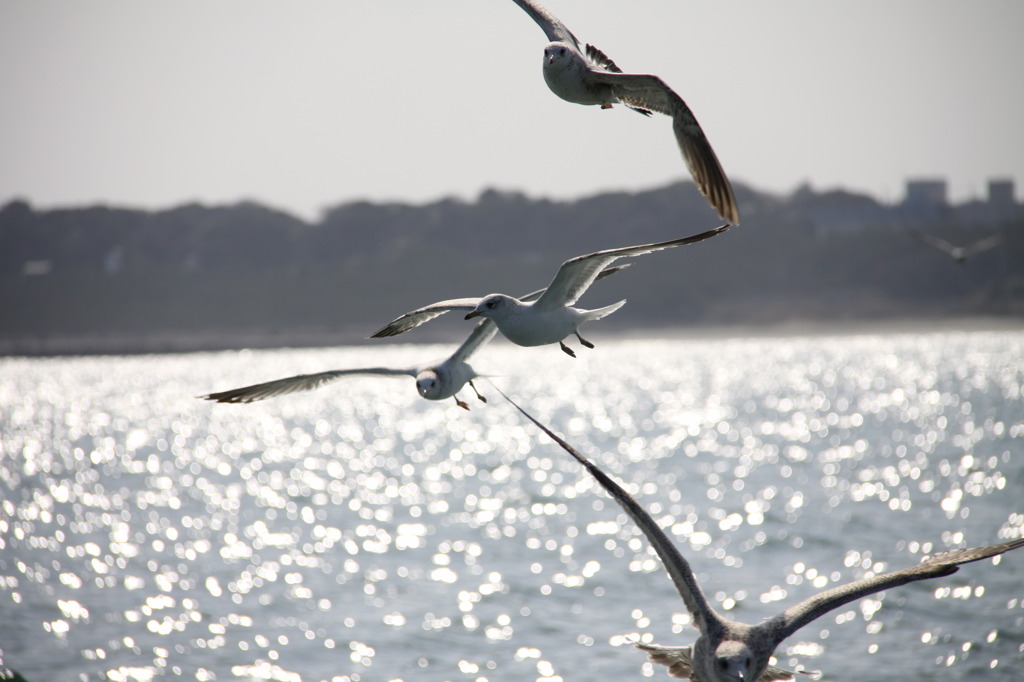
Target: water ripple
point(360, 533)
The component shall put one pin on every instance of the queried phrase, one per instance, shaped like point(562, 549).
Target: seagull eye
point(561, 50)
point(722, 664)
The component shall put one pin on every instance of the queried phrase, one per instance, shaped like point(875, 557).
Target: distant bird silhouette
point(551, 318)
point(434, 381)
point(728, 651)
point(587, 76)
point(958, 253)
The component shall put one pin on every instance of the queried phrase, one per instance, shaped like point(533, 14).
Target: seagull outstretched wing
point(648, 92)
point(704, 617)
point(415, 318)
point(983, 245)
point(555, 30)
point(301, 382)
point(576, 275)
point(937, 565)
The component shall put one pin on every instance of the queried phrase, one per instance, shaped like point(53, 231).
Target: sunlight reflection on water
point(362, 533)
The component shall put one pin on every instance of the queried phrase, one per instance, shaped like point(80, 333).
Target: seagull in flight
point(551, 317)
point(434, 381)
point(958, 253)
point(585, 75)
point(729, 651)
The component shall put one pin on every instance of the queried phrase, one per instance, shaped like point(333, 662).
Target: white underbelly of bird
point(539, 328)
point(572, 86)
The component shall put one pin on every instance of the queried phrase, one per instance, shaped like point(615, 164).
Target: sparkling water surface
point(360, 532)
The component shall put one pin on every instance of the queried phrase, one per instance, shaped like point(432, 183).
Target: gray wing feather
point(983, 245)
point(533, 296)
point(937, 565)
point(481, 334)
point(649, 92)
point(415, 318)
point(644, 90)
point(704, 617)
point(933, 241)
point(301, 382)
point(576, 275)
point(678, 659)
point(554, 29)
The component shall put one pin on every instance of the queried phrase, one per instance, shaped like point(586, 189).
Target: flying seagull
point(434, 381)
point(728, 651)
point(585, 75)
point(958, 253)
point(551, 318)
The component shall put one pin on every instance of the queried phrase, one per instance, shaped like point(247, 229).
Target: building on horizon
point(925, 193)
point(1001, 192)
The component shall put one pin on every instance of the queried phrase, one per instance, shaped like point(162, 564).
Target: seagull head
point(557, 56)
point(429, 385)
point(734, 662)
point(493, 307)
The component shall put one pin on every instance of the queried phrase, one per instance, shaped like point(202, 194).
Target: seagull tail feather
point(605, 311)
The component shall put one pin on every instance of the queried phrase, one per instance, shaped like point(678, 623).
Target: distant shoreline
point(193, 342)
point(791, 328)
point(101, 280)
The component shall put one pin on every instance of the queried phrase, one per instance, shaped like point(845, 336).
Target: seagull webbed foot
point(606, 106)
point(584, 341)
point(482, 399)
point(461, 404)
point(565, 349)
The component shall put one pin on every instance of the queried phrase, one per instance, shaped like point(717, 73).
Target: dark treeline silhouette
point(102, 279)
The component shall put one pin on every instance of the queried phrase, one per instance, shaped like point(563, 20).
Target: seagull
point(729, 651)
point(585, 75)
point(959, 253)
point(434, 381)
point(551, 318)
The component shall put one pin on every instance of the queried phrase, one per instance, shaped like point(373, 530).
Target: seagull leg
point(566, 349)
point(584, 341)
point(460, 403)
point(483, 399)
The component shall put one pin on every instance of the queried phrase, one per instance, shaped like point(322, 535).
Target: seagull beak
point(471, 315)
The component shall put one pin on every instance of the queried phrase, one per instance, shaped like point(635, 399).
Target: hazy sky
point(306, 104)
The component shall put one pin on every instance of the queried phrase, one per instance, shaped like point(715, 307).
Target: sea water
point(359, 532)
